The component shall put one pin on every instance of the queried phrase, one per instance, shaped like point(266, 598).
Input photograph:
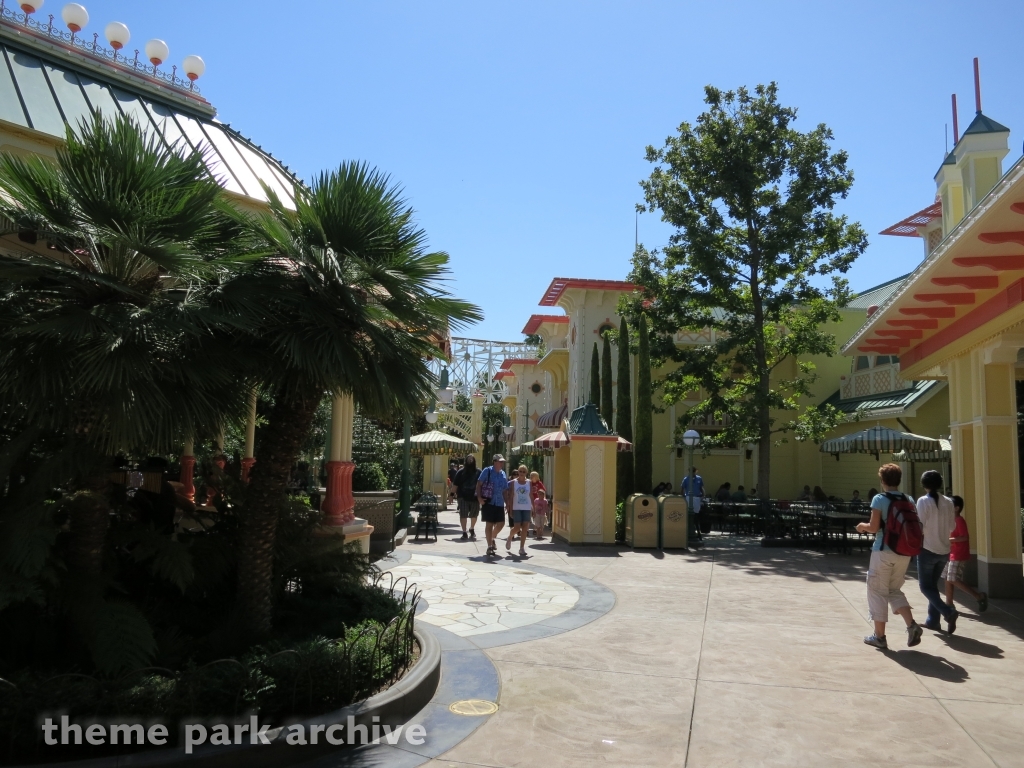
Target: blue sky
point(518, 128)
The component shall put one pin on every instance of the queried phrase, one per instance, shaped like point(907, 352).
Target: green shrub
point(369, 477)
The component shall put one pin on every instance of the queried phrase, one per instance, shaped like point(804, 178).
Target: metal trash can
point(675, 527)
point(642, 521)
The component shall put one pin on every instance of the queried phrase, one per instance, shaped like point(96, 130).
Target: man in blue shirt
point(490, 492)
point(693, 490)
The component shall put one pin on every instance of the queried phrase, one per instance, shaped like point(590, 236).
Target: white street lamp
point(431, 415)
point(445, 393)
point(691, 439)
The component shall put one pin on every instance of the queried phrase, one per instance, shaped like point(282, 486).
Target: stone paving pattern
point(742, 656)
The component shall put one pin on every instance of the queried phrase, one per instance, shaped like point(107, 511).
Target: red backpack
point(903, 532)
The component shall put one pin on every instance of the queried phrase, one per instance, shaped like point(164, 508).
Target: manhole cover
point(478, 604)
point(474, 707)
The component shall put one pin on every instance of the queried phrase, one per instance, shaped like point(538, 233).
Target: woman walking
point(938, 519)
point(539, 494)
point(465, 490)
point(887, 568)
point(522, 509)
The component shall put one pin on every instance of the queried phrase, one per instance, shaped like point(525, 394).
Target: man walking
point(490, 493)
point(693, 490)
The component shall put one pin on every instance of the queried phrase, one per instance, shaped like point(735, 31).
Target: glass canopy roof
point(45, 95)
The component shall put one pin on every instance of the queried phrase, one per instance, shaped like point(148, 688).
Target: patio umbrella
point(551, 441)
point(944, 453)
point(624, 446)
point(879, 439)
point(436, 442)
point(530, 449)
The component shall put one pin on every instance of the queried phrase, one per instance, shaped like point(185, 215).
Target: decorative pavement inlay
point(468, 598)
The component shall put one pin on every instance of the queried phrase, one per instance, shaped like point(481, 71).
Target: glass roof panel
point(132, 107)
point(216, 164)
point(164, 119)
point(100, 97)
point(42, 109)
point(69, 94)
point(261, 168)
point(10, 104)
point(230, 153)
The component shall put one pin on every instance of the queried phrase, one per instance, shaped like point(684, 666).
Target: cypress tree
point(643, 470)
point(606, 381)
point(595, 378)
point(624, 415)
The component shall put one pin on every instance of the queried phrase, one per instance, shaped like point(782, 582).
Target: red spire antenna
point(956, 125)
point(977, 86)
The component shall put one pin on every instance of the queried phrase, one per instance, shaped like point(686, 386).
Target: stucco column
point(250, 439)
point(188, 466)
point(338, 504)
point(982, 385)
point(220, 458)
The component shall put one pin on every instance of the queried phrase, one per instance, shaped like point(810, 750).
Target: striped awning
point(943, 454)
point(551, 441)
point(624, 446)
point(436, 442)
point(880, 439)
point(553, 418)
point(530, 449)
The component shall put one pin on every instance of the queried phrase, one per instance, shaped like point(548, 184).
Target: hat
point(497, 457)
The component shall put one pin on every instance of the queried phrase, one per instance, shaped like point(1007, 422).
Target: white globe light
point(32, 6)
point(117, 35)
point(691, 438)
point(508, 430)
point(431, 417)
point(157, 52)
point(193, 66)
point(75, 16)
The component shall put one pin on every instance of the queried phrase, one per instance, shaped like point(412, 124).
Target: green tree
point(755, 240)
point(347, 300)
point(624, 414)
point(606, 381)
point(595, 377)
point(643, 470)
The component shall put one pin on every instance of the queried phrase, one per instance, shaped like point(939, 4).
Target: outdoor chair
point(426, 508)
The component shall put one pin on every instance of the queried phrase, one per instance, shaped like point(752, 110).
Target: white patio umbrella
point(879, 439)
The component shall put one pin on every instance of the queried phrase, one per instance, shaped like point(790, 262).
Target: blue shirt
point(698, 486)
point(499, 480)
point(881, 502)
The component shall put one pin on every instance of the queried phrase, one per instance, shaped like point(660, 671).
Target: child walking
point(521, 509)
point(959, 556)
point(540, 504)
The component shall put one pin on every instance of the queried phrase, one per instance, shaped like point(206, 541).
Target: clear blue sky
point(518, 128)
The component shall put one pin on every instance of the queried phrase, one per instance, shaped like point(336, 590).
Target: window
point(605, 327)
point(882, 360)
point(863, 362)
point(894, 358)
point(536, 388)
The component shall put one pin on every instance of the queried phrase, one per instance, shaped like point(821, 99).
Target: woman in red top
point(959, 556)
point(540, 505)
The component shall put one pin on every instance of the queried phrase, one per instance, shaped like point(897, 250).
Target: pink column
point(188, 465)
point(246, 466)
point(338, 505)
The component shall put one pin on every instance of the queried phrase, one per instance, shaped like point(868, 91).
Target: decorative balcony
point(872, 381)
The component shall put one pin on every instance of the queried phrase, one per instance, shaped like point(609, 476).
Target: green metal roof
point(900, 400)
point(877, 296)
point(585, 420)
point(983, 124)
point(45, 89)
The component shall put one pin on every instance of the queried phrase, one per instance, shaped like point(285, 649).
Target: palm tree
point(96, 336)
point(348, 300)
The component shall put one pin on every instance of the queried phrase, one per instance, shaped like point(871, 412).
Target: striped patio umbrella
point(879, 439)
point(944, 453)
point(436, 442)
point(551, 441)
point(624, 446)
point(530, 449)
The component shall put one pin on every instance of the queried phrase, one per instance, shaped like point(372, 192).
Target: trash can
point(642, 521)
point(674, 524)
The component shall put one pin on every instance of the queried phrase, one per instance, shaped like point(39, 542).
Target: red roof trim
point(560, 284)
point(908, 227)
point(510, 361)
point(536, 321)
point(991, 309)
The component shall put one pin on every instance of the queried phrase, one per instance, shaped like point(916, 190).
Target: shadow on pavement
point(927, 665)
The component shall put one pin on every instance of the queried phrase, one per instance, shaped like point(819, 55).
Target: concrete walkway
point(736, 656)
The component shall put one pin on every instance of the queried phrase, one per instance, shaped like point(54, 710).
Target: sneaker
point(914, 633)
point(936, 627)
point(465, 536)
point(472, 534)
point(877, 642)
point(951, 622)
point(508, 544)
point(983, 602)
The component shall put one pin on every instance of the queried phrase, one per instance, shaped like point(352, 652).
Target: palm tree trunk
point(88, 522)
point(288, 424)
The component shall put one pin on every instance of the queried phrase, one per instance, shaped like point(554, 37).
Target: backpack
point(902, 532)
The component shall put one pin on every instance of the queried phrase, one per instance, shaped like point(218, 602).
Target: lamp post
point(691, 439)
point(444, 394)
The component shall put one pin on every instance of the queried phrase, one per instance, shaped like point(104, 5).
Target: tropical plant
point(751, 200)
point(607, 407)
point(624, 414)
point(643, 470)
point(347, 299)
